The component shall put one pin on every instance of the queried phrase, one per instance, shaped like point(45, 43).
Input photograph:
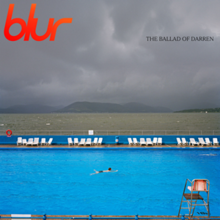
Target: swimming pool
point(148, 182)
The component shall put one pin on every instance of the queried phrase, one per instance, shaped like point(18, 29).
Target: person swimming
point(104, 171)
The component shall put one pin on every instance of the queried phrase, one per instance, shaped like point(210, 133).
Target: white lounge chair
point(142, 141)
point(76, 141)
point(36, 142)
point(207, 141)
point(30, 141)
point(43, 141)
point(135, 141)
point(155, 141)
point(149, 142)
point(159, 141)
point(24, 142)
point(50, 141)
point(201, 141)
point(130, 142)
point(70, 141)
point(184, 142)
point(95, 141)
point(82, 141)
point(178, 141)
point(193, 142)
point(88, 142)
point(215, 141)
point(100, 141)
point(19, 141)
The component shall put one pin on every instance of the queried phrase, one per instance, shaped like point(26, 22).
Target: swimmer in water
point(104, 171)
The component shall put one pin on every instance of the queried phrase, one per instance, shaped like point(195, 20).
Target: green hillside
point(97, 107)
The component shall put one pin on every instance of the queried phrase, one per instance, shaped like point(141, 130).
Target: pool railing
point(113, 132)
point(136, 217)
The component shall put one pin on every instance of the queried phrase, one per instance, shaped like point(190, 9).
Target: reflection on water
point(144, 121)
point(208, 154)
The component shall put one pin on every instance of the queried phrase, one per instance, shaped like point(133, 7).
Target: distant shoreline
point(206, 110)
point(63, 113)
point(99, 108)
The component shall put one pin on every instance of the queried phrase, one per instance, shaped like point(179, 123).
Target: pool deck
point(108, 146)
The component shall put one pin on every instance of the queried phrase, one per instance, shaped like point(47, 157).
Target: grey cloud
point(104, 55)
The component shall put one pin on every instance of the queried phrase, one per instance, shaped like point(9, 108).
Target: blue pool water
point(148, 182)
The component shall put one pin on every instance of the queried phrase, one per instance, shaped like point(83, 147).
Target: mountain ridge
point(29, 109)
point(98, 107)
point(85, 107)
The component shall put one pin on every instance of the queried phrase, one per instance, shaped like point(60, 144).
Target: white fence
point(114, 132)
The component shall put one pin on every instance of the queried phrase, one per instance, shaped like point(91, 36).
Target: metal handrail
point(116, 132)
point(90, 217)
point(136, 217)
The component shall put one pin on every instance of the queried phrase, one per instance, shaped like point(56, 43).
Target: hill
point(84, 107)
point(204, 110)
point(28, 109)
point(97, 107)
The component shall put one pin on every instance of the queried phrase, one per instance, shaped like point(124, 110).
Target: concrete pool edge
point(109, 147)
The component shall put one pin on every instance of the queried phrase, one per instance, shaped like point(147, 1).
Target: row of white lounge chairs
point(134, 141)
point(36, 142)
point(33, 141)
point(156, 141)
point(85, 142)
point(200, 141)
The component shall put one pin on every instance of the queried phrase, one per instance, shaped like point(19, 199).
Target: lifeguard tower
point(198, 188)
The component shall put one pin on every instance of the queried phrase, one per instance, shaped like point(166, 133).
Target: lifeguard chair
point(196, 186)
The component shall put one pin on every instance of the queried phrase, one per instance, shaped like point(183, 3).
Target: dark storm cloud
point(104, 55)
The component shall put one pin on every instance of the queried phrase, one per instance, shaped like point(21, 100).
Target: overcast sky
point(104, 55)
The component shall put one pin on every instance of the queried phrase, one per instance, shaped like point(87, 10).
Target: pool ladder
point(196, 186)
